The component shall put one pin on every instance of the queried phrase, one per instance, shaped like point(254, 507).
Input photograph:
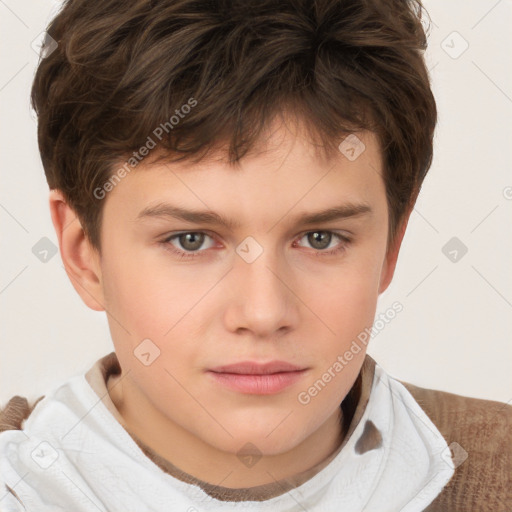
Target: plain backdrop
point(453, 277)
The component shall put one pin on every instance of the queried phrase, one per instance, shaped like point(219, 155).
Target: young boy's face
point(262, 291)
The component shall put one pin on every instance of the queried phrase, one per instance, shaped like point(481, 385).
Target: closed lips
point(253, 368)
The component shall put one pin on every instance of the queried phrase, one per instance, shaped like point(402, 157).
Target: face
point(188, 294)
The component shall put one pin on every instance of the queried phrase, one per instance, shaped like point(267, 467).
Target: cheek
point(344, 307)
point(150, 312)
point(144, 293)
point(348, 310)
point(346, 298)
point(349, 318)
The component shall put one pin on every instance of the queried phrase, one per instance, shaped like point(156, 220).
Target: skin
point(292, 303)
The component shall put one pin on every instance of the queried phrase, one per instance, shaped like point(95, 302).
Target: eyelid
point(345, 234)
point(187, 231)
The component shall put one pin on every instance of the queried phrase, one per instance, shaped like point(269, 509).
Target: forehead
point(285, 172)
point(284, 132)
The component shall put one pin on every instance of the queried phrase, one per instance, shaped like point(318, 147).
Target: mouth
point(256, 378)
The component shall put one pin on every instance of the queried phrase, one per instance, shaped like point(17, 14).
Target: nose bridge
point(264, 301)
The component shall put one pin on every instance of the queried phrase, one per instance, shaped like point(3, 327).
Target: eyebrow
point(165, 210)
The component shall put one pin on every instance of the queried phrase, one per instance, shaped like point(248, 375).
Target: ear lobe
point(81, 260)
point(388, 268)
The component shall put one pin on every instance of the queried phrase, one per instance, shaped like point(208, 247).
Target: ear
point(81, 260)
point(388, 268)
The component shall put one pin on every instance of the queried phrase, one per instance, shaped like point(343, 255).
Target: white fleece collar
point(73, 455)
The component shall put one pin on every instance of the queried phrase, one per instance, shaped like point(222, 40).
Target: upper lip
point(255, 368)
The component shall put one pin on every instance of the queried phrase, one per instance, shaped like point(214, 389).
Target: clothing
point(70, 451)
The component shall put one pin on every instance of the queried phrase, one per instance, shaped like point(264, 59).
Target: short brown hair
point(122, 68)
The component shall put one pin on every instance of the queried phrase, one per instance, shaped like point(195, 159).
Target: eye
point(189, 243)
point(321, 240)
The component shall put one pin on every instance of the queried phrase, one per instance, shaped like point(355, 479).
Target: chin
point(258, 442)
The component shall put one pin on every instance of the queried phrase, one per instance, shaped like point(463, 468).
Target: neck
point(185, 453)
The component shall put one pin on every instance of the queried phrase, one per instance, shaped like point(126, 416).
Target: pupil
point(192, 241)
point(315, 239)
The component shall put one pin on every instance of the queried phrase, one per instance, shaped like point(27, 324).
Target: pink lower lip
point(258, 384)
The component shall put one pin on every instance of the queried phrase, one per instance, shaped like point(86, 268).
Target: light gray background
point(455, 330)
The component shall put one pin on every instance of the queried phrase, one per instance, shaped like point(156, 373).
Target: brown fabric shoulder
point(15, 412)
point(479, 434)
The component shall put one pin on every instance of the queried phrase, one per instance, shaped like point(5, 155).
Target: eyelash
point(186, 255)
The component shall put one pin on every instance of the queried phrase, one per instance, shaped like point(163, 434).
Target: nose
point(262, 300)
